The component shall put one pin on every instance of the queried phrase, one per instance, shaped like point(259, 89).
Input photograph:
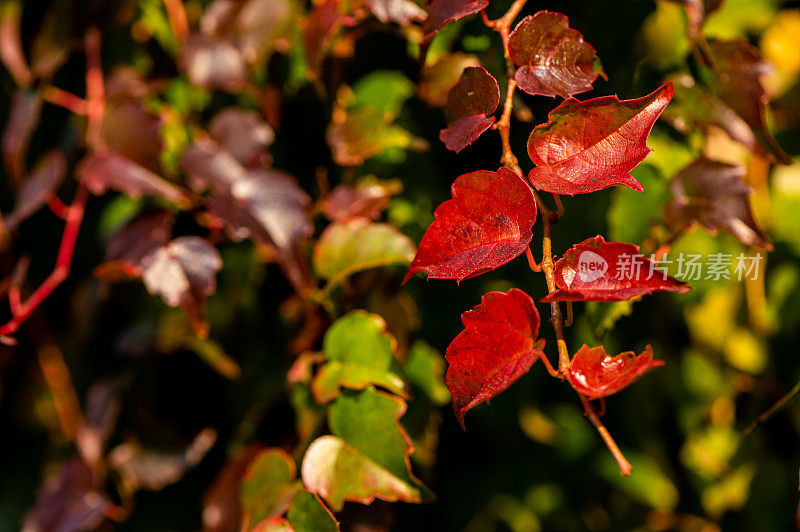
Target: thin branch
point(774, 409)
point(625, 467)
point(536, 268)
point(177, 19)
point(67, 100)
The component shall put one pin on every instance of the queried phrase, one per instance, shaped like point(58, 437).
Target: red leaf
point(596, 270)
point(323, 22)
point(399, 11)
point(37, 188)
point(594, 144)
point(139, 238)
point(440, 12)
point(715, 195)
point(469, 106)
point(486, 224)
point(497, 346)
point(553, 60)
point(110, 170)
point(595, 374)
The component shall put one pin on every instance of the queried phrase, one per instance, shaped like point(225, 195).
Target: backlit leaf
point(596, 270)
point(437, 79)
point(594, 144)
point(346, 248)
point(497, 346)
point(268, 486)
point(553, 59)
point(738, 82)
point(470, 104)
point(715, 195)
point(359, 352)
point(595, 374)
point(367, 457)
point(400, 11)
point(486, 224)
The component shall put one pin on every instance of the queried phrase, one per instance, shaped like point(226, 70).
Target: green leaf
point(384, 90)
point(308, 514)
point(425, 369)
point(359, 352)
point(368, 455)
point(268, 486)
point(632, 213)
point(350, 247)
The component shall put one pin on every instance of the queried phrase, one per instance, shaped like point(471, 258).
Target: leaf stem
point(625, 467)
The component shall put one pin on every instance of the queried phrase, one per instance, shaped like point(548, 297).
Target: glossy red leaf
point(715, 195)
point(440, 12)
point(486, 224)
point(109, 170)
point(38, 187)
point(594, 144)
point(595, 374)
point(738, 83)
point(399, 11)
point(497, 346)
point(553, 59)
point(470, 104)
point(596, 270)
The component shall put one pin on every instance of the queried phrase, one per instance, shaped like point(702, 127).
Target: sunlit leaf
point(595, 374)
point(470, 104)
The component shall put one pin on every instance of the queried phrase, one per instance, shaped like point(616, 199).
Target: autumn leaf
point(25, 111)
point(243, 134)
point(365, 200)
point(470, 104)
point(183, 272)
point(109, 170)
point(130, 130)
point(400, 11)
point(323, 22)
point(38, 187)
point(358, 352)
point(738, 82)
point(367, 457)
point(440, 12)
point(213, 63)
point(714, 194)
point(71, 498)
point(497, 346)
point(596, 270)
point(595, 374)
point(140, 237)
point(347, 248)
point(438, 78)
point(553, 59)
point(486, 224)
point(593, 144)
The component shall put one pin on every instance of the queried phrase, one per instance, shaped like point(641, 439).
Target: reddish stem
point(58, 207)
point(62, 98)
point(625, 467)
point(21, 311)
point(177, 18)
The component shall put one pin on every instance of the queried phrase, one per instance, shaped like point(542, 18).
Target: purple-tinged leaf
point(440, 12)
point(213, 63)
point(38, 187)
point(243, 134)
point(553, 59)
point(26, 108)
point(470, 104)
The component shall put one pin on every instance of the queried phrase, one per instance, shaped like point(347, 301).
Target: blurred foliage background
point(529, 461)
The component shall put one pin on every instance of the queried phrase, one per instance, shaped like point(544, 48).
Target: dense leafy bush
point(209, 208)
